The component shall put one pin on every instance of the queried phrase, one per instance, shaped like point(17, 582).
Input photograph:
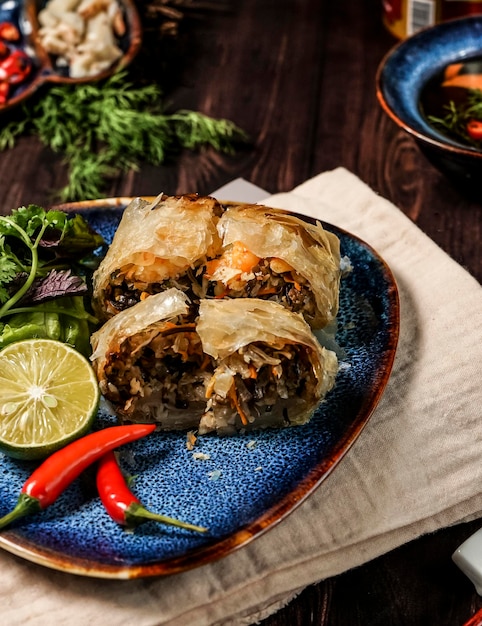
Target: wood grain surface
point(299, 77)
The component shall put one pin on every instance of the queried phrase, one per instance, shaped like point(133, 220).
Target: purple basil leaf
point(56, 284)
point(51, 239)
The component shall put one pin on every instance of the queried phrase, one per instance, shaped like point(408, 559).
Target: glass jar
point(405, 17)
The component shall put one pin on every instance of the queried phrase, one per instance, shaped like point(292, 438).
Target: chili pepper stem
point(26, 505)
point(136, 514)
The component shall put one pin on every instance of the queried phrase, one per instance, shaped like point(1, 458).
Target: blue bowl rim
point(393, 95)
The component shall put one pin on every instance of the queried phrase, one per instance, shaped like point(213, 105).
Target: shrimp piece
point(236, 260)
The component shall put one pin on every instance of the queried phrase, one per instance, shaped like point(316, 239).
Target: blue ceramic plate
point(244, 484)
point(23, 14)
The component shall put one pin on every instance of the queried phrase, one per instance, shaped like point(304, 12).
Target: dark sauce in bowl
point(451, 98)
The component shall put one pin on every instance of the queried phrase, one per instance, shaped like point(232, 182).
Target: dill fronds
point(104, 128)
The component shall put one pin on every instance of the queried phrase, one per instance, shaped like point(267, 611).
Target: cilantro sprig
point(113, 126)
point(44, 256)
point(29, 230)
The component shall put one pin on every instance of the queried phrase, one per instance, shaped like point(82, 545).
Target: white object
point(468, 557)
point(240, 190)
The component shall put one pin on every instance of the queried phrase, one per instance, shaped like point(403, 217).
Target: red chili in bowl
point(15, 67)
point(60, 469)
point(9, 32)
point(4, 50)
point(474, 129)
point(121, 504)
point(4, 92)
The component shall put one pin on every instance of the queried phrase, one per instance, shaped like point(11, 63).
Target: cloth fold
point(414, 469)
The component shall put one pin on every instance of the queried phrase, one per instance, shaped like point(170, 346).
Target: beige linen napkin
point(415, 468)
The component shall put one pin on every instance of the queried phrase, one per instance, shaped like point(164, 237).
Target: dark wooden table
point(299, 77)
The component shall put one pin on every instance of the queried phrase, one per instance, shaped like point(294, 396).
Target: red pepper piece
point(4, 50)
point(9, 31)
point(121, 504)
point(4, 91)
point(60, 469)
point(474, 129)
point(16, 67)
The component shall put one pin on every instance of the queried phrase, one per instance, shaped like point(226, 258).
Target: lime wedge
point(49, 396)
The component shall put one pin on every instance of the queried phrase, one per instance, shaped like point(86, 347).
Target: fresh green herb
point(42, 275)
point(454, 122)
point(104, 128)
point(63, 319)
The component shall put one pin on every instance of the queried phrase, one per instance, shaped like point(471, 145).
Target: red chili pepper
point(9, 31)
point(474, 129)
point(60, 469)
point(121, 504)
point(16, 67)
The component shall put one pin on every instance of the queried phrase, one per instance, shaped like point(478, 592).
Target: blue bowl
point(404, 72)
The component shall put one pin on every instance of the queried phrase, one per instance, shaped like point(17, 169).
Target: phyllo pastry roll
point(271, 254)
point(150, 363)
point(241, 364)
point(268, 368)
point(157, 245)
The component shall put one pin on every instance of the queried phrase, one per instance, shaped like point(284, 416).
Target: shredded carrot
point(170, 325)
point(181, 328)
point(144, 295)
point(469, 81)
point(252, 371)
point(452, 70)
point(190, 440)
point(290, 279)
point(211, 267)
point(266, 291)
point(210, 388)
point(184, 354)
point(237, 406)
point(205, 363)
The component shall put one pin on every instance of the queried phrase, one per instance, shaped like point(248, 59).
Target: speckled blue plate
point(244, 484)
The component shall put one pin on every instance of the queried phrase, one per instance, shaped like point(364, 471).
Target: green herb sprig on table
point(454, 122)
point(113, 126)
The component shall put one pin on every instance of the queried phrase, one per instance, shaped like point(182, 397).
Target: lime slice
point(48, 397)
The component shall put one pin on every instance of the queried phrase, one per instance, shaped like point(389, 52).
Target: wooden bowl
point(24, 15)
